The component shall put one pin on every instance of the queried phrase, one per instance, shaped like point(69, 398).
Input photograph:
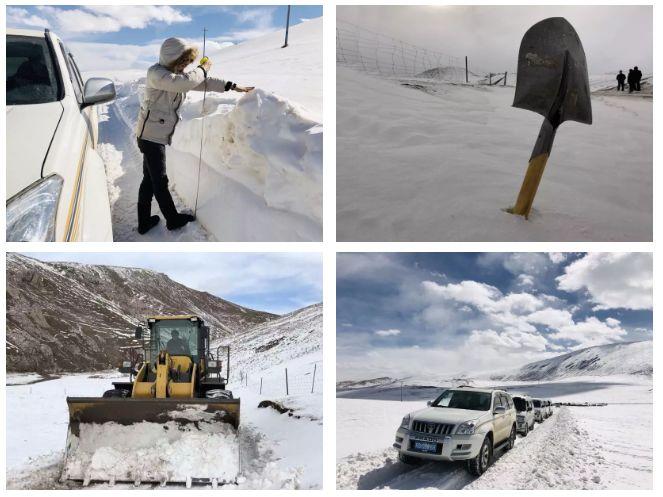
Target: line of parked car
point(468, 424)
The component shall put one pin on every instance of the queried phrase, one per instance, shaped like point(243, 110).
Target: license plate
point(427, 447)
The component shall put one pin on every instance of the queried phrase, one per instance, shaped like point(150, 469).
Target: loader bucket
point(152, 440)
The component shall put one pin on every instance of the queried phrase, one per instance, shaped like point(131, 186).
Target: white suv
point(462, 424)
point(539, 410)
point(56, 180)
point(524, 413)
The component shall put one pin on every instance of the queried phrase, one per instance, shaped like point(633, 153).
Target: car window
point(498, 400)
point(463, 399)
point(73, 77)
point(520, 403)
point(31, 73)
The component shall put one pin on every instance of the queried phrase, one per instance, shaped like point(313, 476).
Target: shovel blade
point(552, 75)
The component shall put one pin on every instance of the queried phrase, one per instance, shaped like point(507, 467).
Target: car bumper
point(448, 447)
point(521, 425)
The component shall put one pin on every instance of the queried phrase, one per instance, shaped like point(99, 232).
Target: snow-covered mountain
point(633, 358)
point(75, 317)
point(278, 341)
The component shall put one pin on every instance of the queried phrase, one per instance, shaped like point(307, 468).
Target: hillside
point(75, 317)
point(635, 358)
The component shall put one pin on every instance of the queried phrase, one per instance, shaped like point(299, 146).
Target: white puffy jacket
point(165, 91)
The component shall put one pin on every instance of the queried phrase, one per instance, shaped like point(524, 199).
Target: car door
point(498, 419)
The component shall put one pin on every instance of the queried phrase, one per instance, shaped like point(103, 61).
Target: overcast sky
point(274, 282)
point(614, 37)
point(111, 37)
point(406, 314)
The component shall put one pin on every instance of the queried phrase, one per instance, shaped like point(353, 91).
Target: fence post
point(401, 391)
point(286, 382)
point(315, 367)
point(505, 72)
point(261, 385)
point(467, 80)
point(490, 79)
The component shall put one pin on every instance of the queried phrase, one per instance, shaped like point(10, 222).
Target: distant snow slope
point(440, 162)
point(261, 173)
point(612, 359)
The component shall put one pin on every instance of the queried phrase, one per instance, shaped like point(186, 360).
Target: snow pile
point(440, 162)
point(264, 144)
point(153, 452)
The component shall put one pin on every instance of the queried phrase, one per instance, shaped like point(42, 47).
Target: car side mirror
point(98, 91)
point(429, 403)
point(139, 332)
point(499, 410)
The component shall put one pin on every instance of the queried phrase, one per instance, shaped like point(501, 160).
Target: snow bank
point(264, 143)
point(153, 452)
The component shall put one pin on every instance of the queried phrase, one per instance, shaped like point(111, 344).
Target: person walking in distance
point(631, 81)
point(166, 86)
point(621, 77)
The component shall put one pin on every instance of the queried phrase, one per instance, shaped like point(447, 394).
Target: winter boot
point(151, 223)
point(179, 221)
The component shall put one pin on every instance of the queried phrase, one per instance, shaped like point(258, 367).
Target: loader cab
point(182, 336)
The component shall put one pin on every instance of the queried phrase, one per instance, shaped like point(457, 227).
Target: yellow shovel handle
point(530, 185)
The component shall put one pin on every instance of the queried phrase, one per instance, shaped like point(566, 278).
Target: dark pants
point(637, 85)
point(154, 184)
point(620, 85)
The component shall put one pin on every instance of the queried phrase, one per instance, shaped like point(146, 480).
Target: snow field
point(441, 162)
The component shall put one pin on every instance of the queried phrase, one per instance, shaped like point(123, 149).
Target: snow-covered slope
point(261, 172)
point(634, 358)
point(440, 162)
point(279, 341)
point(76, 317)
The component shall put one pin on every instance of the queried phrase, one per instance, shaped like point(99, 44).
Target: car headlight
point(31, 213)
point(405, 423)
point(466, 428)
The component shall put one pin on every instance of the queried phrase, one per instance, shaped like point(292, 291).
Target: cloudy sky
point(274, 282)
point(107, 37)
point(417, 314)
point(614, 37)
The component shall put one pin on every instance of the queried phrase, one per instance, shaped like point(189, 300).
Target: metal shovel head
point(152, 440)
point(552, 73)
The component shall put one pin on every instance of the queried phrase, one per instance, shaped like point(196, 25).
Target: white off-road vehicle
point(549, 409)
point(539, 410)
point(462, 424)
point(524, 413)
point(56, 180)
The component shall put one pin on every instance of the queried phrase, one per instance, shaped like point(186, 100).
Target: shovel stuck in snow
point(552, 81)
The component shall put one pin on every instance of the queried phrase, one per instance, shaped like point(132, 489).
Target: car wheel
point(512, 439)
point(480, 463)
point(412, 461)
point(526, 430)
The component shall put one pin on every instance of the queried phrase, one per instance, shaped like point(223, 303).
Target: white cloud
point(557, 257)
point(591, 332)
point(525, 280)
point(613, 280)
point(553, 318)
point(17, 17)
point(110, 18)
point(388, 333)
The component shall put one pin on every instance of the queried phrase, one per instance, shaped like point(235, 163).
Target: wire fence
point(285, 382)
point(388, 57)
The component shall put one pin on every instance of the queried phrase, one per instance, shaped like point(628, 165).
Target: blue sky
point(102, 35)
point(403, 314)
point(274, 282)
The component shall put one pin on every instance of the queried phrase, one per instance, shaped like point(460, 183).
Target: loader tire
point(116, 392)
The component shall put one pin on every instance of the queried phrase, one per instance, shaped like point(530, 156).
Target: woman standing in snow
point(165, 89)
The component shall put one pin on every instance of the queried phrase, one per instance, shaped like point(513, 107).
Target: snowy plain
point(567, 451)
point(261, 170)
point(433, 161)
point(276, 450)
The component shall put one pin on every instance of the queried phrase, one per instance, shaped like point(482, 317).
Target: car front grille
point(432, 428)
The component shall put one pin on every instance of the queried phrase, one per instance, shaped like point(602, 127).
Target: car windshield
point(464, 399)
point(177, 336)
point(31, 76)
point(537, 403)
point(521, 404)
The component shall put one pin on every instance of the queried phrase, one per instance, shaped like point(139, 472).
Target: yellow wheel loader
point(173, 421)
